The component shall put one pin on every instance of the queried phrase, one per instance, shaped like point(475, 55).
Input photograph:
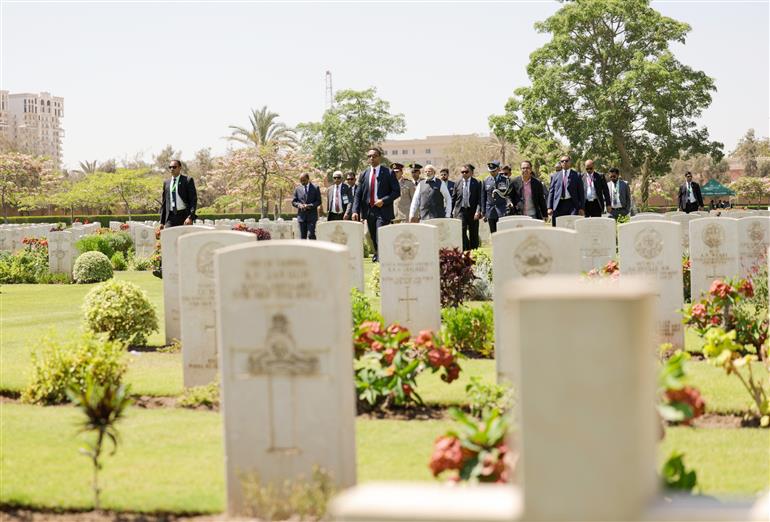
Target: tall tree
point(749, 149)
point(358, 120)
point(160, 161)
point(87, 167)
point(608, 83)
point(22, 179)
point(264, 129)
point(199, 168)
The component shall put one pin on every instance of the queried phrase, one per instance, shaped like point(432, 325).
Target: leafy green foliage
point(118, 261)
point(28, 265)
point(57, 367)
point(678, 402)
point(483, 286)
point(122, 310)
point(103, 406)
point(676, 476)
point(300, 498)
point(456, 275)
point(475, 450)
point(362, 308)
point(484, 396)
point(373, 282)
point(107, 243)
point(140, 264)
point(92, 267)
point(206, 396)
point(470, 330)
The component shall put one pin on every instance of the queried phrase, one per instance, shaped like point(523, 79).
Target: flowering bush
point(124, 226)
point(611, 270)
point(388, 362)
point(36, 243)
point(724, 307)
point(261, 233)
point(28, 265)
point(679, 402)
point(475, 451)
point(58, 227)
point(457, 277)
point(686, 285)
point(362, 308)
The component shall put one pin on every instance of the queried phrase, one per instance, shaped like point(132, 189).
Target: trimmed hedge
point(105, 219)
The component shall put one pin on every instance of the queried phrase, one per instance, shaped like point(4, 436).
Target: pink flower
point(699, 311)
point(389, 355)
point(447, 454)
point(747, 288)
point(720, 289)
point(690, 396)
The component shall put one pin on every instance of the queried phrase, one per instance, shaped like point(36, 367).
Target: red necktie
point(371, 189)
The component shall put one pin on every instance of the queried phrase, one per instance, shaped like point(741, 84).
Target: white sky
point(136, 76)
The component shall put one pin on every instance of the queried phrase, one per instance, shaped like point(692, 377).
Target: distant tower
point(329, 94)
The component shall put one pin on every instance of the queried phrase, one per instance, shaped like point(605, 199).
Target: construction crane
point(329, 94)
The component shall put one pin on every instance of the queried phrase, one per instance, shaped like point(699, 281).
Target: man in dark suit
point(690, 198)
point(350, 181)
point(466, 202)
point(307, 199)
point(565, 194)
point(179, 199)
point(596, 191)
point(530, 194)
point(377, 189)
point(444, 175)
point(494, 200)
point(619, 202)
point(338, 198)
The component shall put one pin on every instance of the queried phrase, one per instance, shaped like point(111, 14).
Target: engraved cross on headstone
point(408, 300)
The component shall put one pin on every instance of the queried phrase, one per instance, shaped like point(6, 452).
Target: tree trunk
point(626, 167)
point(645, 182)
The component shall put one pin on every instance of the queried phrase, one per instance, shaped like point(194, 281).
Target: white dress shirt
point(414, 208)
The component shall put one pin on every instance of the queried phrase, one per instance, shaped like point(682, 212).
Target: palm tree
point(265, 130)
point(88, 167)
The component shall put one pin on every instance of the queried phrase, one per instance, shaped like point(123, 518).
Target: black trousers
point(492, 222)
point(564, 208)
point(307, 229)
point(691, 207)
point(470, 229)
point(176, 218)
point(593, 208)
point(333, 216)
point(375, 220)
point(615, 213)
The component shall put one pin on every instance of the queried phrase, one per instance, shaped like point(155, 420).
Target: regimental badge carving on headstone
point(533, 257)
point(713, 235)
point(280, 356)
point(648, 243)
point(339, 236)
point(144, 233)
point(406, 246)
point(205, 260)
point(756, 232)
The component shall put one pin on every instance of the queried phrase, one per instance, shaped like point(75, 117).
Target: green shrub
point(362, 308)
point(121, 310)
point(95, 243)
point(48, 278)
point(207, 396)
point(470, 331)
point(57, 366)
point(140, 264)
point(119, 241)
point(118, 261)
point(373, 283)
point(24, 266)
point(485, 396)
point(483, 286)
point(92, 267)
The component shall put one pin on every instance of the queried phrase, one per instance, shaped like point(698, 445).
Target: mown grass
point(172, 459)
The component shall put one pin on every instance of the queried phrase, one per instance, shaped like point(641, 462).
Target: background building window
point(427, 151)
point(394, 153)
point(405, 151)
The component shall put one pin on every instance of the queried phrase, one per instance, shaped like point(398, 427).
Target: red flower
point(452, 373)
point(390, 354)
point(690, 396)
point(407, 389)
point(377, 346)
point(715, 320)
point(447, 454)
point(747, 288)
point(424, 337)
point(396, 328)
point(720, 289)
point(699, 311)
point(611, 267)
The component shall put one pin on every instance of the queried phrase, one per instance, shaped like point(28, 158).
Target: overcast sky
point(138, 76)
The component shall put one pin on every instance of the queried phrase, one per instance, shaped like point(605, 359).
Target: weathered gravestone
point(753, 241)
point(713, 252)
point(61, 253)
point(654, 249)
point(567, 221)
point(144, 240)
point(197, 318)
point(508, 218)
point(281, 230)
point(527, 222)
point(647, 216)
point(525, 253)
point(283, 327)
point(409, 276)
point(170, 266)
point(596, 239)
point(450, 232)
point(351, 235)
point(485, 236)
point(591, 422)
point(115, 226)
point(684, 229)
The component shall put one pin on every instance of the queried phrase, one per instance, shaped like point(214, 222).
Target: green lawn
point(171, 459)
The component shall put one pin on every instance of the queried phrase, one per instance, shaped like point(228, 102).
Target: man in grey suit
point(339, 198)
point(620, 195)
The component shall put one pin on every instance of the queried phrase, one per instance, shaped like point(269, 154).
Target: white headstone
point(508, 218)
point(196, 302)
point(409, 276)
point(450, 232)
point(170, 267)
point(713, 252)
point(753, 242)
point(144, 240)
point(115, 226)
point(567, 221)
point(684, 230)
point(283, 326)
point(596, 238)
point(351, 235)
point(61, 253)
point(528, 222)
point(654, 249)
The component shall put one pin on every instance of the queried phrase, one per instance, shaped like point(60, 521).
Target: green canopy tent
point(714, 188)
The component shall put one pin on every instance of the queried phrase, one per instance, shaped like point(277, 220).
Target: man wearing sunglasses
point(565, 193)
point(377, 189)
point(467, 206)
point(179, 199)
point(338, 198)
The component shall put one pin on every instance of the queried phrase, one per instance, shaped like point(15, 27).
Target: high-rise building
point(31, 123)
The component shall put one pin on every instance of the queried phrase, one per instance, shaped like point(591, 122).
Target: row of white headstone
point(279, 314)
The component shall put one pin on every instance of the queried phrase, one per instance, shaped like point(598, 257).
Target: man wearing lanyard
point(597, 194)
point(565, 193)
point(338, 198)
point(467, 206)
point(620, 195)
point(690, 198)
point(179, 198)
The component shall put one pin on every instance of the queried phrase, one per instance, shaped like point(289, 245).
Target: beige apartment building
point(432, 149)
point(31, 123)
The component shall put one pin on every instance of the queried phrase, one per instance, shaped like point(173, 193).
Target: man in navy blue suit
point(307, 199)
point(373, 201)
point(565, 194)
point(495, 195)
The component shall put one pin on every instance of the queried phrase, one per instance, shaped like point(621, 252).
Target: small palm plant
point(103, 406)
